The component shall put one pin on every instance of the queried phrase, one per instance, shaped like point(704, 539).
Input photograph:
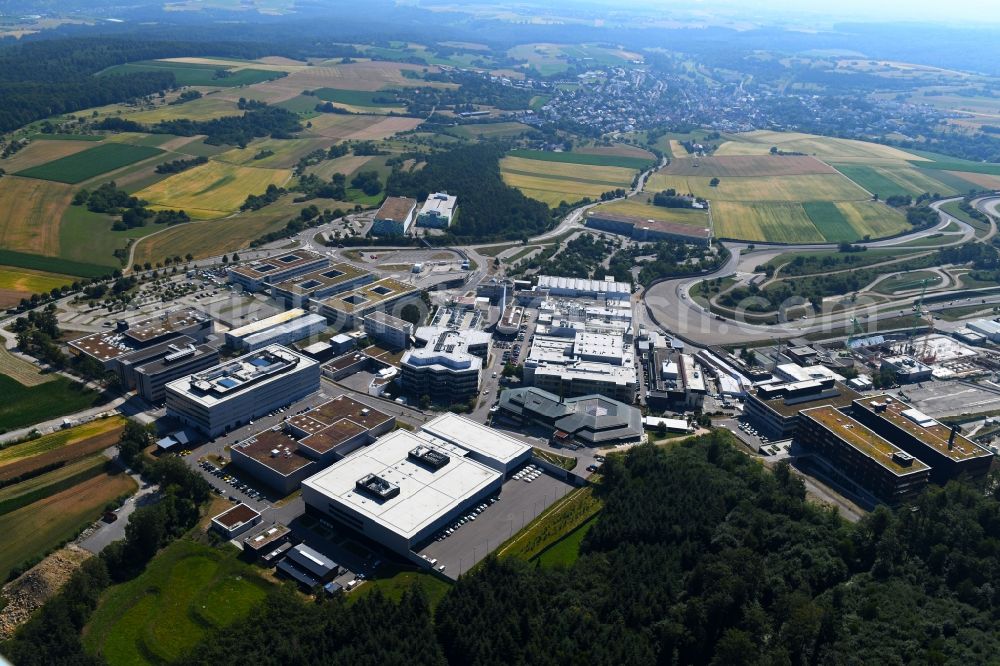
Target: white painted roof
point(476, 437)
point(424, 496)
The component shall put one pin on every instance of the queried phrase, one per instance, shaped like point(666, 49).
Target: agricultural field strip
point(810, 187)
point(33, 530)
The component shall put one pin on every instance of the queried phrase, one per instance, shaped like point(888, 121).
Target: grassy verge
point(953, 209)
point(566, 462)
point(553, 524)
point(565, 551)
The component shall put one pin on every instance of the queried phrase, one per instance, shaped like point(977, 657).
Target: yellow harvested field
point(617, 150)
point(776, 222)
point(584, 173)
point(369, 76)
point(553, 192)
point(555, 182)
point(870, 218)
point(280, 60)
point(676, 149)
point(747, 165)
point(20, 370)
point(215, 237)
point(760, 143)
point(287, 152)
point(818, 187)
point(236, 65)
point(346, 165)
point(983, 180)
point(31, 281)
point(31, 210)
point(637, 207)
point(206, 108)
point(360, 127)
point(41, 151)
point(212, 190)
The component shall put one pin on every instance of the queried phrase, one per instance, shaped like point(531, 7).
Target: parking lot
point(519, 503)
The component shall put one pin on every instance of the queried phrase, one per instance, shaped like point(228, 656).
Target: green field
point(187, 591)
point(889, 181)
point(51, 264)
point(358, 97)
point(588, 159)
point(830, 221)
point(65, 137)
point(23, 405)
point(490, 130)
point(82, 166)
point(33, 530)
point(187, 74)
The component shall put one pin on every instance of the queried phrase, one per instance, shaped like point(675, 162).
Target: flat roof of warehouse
point(475, 437)
point(425, 494)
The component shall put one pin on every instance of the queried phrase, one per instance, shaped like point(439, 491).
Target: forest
point(487, 206)
point(699, 556)
point(45, 78)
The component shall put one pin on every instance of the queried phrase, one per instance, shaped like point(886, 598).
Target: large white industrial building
point(407, 486)
point(232, 394)
point(283, 328)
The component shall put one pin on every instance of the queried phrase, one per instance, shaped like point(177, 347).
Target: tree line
point(487, 206)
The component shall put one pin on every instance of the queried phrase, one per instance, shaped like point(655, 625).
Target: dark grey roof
point(592, 418)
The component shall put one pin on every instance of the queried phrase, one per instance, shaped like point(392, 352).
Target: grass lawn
point(82, 166)
point(186, 591)
point(953, 208)
point(26, 405)
point(32, 531)
point(907, 282)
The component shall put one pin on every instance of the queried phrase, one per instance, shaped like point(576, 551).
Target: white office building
point(232, 394)
point(438, 211)
point(277, 330)
point(408, 486)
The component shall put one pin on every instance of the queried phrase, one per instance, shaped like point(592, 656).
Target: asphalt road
point(670, 305)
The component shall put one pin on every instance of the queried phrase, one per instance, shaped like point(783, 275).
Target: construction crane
point(858, 332)
point(918, 307)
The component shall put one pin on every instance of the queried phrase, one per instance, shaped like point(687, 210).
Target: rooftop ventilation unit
point(430, 457)
point(902, 458)
point(377, 487)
